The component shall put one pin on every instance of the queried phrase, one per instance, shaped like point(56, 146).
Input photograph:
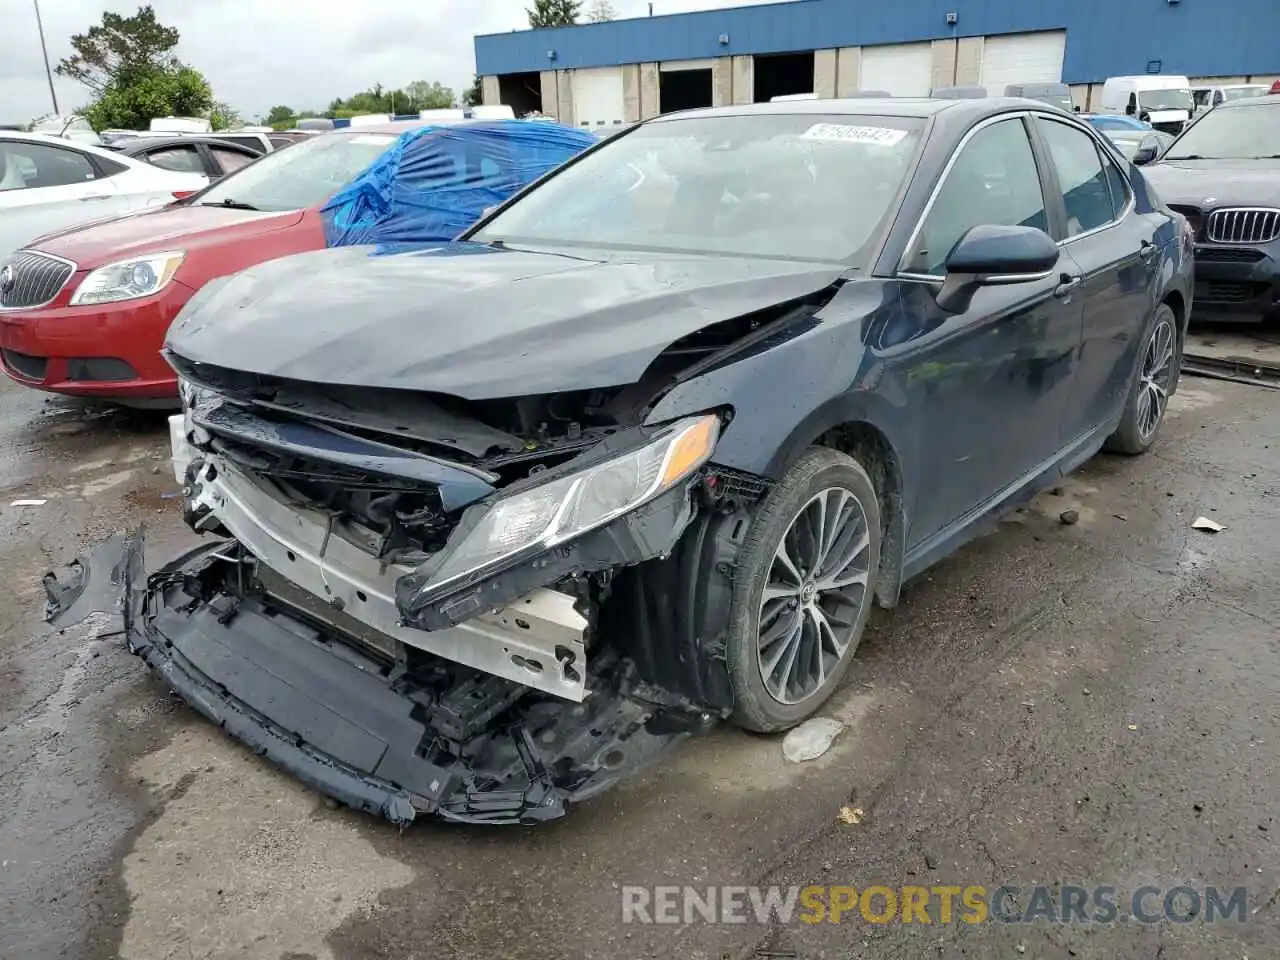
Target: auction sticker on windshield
point(880, 136)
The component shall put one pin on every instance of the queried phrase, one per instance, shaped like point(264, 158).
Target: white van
point(1162, 100)
point(1208, 97)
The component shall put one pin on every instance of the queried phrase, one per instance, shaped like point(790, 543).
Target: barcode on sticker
point(880, 136)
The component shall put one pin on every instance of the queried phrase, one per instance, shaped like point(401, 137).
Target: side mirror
point(1146, 154)
point(989, 256)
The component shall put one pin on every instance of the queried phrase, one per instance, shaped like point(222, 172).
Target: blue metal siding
point(1105, 38)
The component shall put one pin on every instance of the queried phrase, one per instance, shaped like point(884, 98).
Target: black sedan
point(500, 521)
point(208, 155)
point(1223, 174)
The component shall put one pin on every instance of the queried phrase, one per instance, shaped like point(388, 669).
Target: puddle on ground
point(243, 862)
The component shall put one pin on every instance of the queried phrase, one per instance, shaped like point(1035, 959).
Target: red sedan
point(84, 312)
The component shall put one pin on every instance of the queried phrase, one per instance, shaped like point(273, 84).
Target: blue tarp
point(434, 182)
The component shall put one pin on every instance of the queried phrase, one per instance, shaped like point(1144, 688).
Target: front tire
point(1154, 381)
point(803, 591)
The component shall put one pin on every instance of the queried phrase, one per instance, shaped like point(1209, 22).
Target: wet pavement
point(1087, 704)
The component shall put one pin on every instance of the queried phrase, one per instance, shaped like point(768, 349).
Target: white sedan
point(49, 184)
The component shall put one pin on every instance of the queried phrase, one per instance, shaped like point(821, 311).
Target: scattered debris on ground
point(811, 739)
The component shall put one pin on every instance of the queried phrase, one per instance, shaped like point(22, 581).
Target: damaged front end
point(481, 613)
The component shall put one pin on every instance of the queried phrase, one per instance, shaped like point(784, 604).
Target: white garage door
point(597, 97)
point(1022, 58)
point(904, 69)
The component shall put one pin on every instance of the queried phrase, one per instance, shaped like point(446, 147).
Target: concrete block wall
point(722, 93)
point(969, 61)
point(648, 90)
point(550, 98)
point(490, 92)
point(744, 79)
point(631, 92)
point(944, 64)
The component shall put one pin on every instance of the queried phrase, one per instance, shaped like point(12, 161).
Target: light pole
point(45, 50)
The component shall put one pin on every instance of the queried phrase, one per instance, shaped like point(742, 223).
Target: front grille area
point(1225, 255)
point(25, 365)
point(1243, 225)
point(1227, 291)
point(36, 279)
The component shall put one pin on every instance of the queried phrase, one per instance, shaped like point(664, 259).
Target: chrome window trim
point(964, 142)
point(1129, 205)
point(49, 256)
point(946, 173)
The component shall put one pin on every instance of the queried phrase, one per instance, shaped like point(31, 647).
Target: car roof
point(139, 144)
point(401, 126)
point(964, 108)
point(90, 148)
point(1269, 99)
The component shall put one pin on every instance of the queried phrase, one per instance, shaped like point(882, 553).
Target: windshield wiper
point(231, 205)
point(1189, 156)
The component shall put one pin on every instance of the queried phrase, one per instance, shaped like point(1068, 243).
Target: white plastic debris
point(811, 739)
point(28, 503)
point(1207, 525)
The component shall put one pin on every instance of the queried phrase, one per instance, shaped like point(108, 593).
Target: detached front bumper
point(401, 741)
point(377, 738)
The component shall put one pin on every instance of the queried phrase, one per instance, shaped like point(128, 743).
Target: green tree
point(223, 116)
point(554, 13)
point(177, 92)
point(128, 64)
point(474, 95)
point(280, 114)
point(118, 48)
point(423, 95)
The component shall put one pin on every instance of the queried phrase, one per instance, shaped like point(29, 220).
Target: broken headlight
point(567, 507)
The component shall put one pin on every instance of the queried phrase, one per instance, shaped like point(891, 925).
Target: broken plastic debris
point(851, 815)
point(28, 503)
point(1207, 525)
point(1133, 726)
point(811, 739)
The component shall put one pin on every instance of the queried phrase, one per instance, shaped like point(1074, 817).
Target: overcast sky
point(257, 53)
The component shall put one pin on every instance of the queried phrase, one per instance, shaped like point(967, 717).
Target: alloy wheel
point(813, 599)
point(1154, 381)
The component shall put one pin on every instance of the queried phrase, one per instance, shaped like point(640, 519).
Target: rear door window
point(1085, 192)
point(181, 159)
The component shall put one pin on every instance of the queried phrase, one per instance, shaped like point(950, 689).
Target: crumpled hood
point(474, 321)
point(1216, 183)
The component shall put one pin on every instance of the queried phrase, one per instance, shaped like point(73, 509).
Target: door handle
point(1066, 286)
point(1147, 251)
point(96, 196)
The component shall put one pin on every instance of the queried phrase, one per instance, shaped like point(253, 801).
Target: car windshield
point(791, 186)
point(1175, 98)
point(305, 175)
point(1243, 93)
point(1249, 132)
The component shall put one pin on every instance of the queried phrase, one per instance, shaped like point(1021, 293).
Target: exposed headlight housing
point(128, 279)
point(541, 517)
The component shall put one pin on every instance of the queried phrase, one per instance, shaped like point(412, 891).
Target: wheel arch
point(855, 432)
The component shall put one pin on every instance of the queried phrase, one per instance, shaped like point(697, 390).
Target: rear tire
point(1154, 380)
point(803, 591)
